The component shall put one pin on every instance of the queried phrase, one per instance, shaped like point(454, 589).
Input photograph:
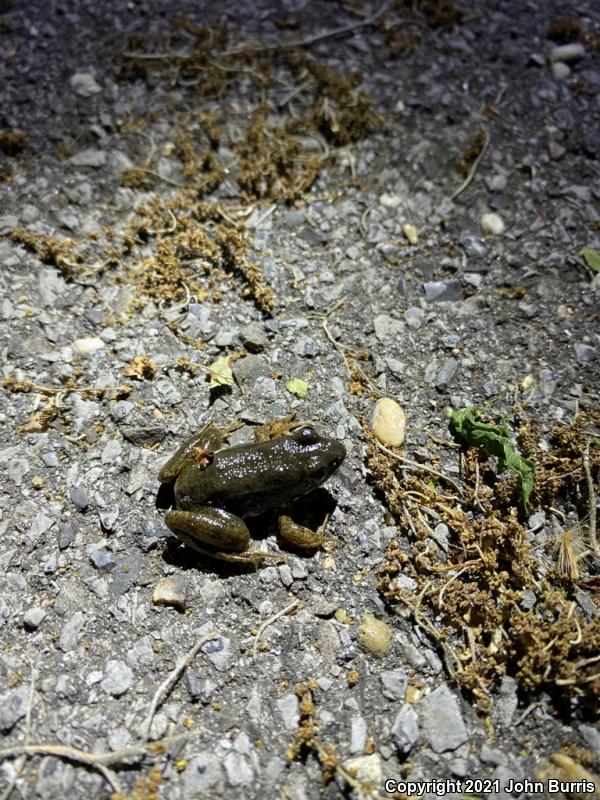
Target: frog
point(216, 487)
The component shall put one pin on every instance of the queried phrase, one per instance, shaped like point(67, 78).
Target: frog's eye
point(320, 475)
point(306, 435)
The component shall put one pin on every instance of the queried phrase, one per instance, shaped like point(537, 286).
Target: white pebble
point(389, 422)
point(492, 224)
point(560, 70)
point(410, 232)
point(567, 52)
point(87, 346)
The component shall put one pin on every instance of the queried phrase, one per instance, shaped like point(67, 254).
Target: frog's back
point(252, 478)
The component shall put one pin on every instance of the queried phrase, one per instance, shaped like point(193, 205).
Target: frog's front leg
point(193, 449)
point(216, 533)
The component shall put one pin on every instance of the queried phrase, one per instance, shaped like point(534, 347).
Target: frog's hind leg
point(201, 445)
point(218, 534)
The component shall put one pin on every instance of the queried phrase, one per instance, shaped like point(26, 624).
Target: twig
point(447, 584)
point(167, 685)
point(95, 761)
point(527, 712)
point(474, 166)
point(265, 623)
point(413, 465)
point(591, 496)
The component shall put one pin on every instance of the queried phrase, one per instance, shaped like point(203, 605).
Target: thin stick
point(413, 465)
point(265, 623)
point(474, 166)
point(447, 584)
point(167, 685)
point(591, 497)
point(92, 760)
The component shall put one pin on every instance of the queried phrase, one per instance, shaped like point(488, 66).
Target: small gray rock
point(442, 721)
point(238, 769)
point(79, 498)
point(13, 707)
point(387, 327)
point(33, 617)
point(446, 374)
point(254, 337)
point(405, 729)
point(121, 409)
point(66, 535)
point(118, 677)
point(394, 683)
point(108, 518)
point(585, 353)
point(126, 573)
point(288, 706)
point(442, 291)
point(203, 772)
point(84, 84)
point(55, 778)
point(103, 559)
point(414, 317)
point(70, 631)
point(219, 652)
point(89, 158)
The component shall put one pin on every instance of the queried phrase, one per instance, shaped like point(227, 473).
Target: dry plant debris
point(490, 603)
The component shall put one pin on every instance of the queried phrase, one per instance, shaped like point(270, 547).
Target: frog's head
point(319, 455)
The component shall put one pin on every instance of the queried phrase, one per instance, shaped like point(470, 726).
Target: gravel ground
point(442, 237)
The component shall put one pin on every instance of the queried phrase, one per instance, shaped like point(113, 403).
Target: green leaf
point(591, 258)
point(219, 373)
point(297, 387)
point(494, 441)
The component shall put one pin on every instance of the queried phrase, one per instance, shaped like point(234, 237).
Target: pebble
point(560, 70)
point(126, 573)
point(238, 769)
point(288, 706)
point(374, 635)
point(358, 734)
point(411, 233)
point(389, 422)
point(79, 497)
point(584, 353)
point(111, 452)
point(70, 631)
point(118, 677)
point(567, 52)
point(492, 224)
point(12, 707)
point(442, 291)
point(33, 617)
point(387, 327)
point(394, 683)
point(170, 591)
point(102, 559)
point(442, 721)
point(405, 729)
point(219, 653)
point(89, 158)
point(203, 772)
point(446, 373)
point(121, 409)
point(414, 317)
point(55, 778)
point(16, 470)
point(84, 84)
point(87, 346)
point(108, 518)
point(254, 337)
